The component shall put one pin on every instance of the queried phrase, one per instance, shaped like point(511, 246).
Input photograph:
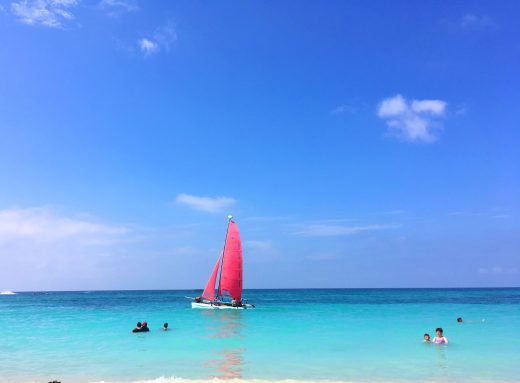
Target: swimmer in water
point(144, 327)
point(165, 326)
point(426, 338)
point(138, 327)
point(439, 338)
point(141, 327)
point(459, 320)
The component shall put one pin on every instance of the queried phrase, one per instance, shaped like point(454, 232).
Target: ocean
point(361, 335)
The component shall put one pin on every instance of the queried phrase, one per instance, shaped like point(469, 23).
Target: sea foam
point(174, 379)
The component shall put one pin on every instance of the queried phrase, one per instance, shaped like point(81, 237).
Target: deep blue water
point(335, 334)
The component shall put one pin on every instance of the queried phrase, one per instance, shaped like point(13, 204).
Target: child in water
point(426, 338)
point(165, 326)
point(439, 338)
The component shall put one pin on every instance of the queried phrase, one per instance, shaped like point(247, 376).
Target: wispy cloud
point(42, 247)
point(461, 110)
point(333, 221)
point(339, 230)
point(148, 47)
point(117, 7)
point(258, 245)
point(45, 225)
point(412, 120)
point(323, 256)
point(49, 13)
point(498, 270)
point(395, 212)
point(261, 251)
point(495, 213)
point(500, 216)
point(160, 40)
point(207, 204)
point(464, 213)
point(343, 108)
point(266, 218)
point(471, 21)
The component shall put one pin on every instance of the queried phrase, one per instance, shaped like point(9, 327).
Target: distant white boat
point(7, 292)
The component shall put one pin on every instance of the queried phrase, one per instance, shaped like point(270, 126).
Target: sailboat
point(228, 268)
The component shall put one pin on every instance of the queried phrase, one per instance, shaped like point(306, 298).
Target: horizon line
point(277, 288)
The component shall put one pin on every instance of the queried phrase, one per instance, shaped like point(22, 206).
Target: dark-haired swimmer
point(439, 338)
point(141, 327)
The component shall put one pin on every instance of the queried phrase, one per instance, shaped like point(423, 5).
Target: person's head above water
point(426, 337)
point(165, 325)
point(138, 324)
point(145, 324)
point(439, 338)
point(459, 319)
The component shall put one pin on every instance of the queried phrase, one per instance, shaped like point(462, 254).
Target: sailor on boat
point(228, 269)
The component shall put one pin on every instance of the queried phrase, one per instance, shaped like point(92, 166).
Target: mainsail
point(209, 290)
point(231, 274)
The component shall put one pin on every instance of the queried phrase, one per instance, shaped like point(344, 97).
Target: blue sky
point(358, 144)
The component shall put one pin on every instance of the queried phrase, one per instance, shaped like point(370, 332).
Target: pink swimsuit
point(439, 340)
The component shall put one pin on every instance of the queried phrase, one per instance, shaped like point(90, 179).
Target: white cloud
point(148, 47)
point(413, 121)
point(470, 21)
point(43, 225)
point(339, 230)
point(116, 7)
point(43, 248)
point(393, 106)
point(160, 40)
point(207, 204)
point(433, 107)
point(49, 13)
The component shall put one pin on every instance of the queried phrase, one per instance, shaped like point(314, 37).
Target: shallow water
point(338, 334)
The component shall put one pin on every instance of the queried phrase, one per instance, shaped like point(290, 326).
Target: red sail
point(209, 290)
point(231, 274)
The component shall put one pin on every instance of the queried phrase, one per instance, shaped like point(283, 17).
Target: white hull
point(210, 306)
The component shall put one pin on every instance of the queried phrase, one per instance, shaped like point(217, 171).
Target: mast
point(230, 217)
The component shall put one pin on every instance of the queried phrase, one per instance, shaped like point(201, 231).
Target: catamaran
point(229, 292)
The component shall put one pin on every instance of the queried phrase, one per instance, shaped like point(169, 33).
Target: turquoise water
point(338, 334)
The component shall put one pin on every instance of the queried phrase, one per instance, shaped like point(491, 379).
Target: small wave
point(173, 379)
point(7, 292)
